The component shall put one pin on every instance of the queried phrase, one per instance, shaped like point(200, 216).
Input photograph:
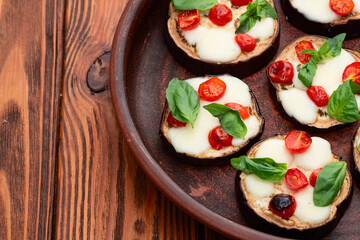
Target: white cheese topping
point(357, 97)
point(275, 149)
point(317, 156)
point(357, 6)
point(306, 211)
point(329, 74)
point(194, 141)
point(296, 81)
point(297, 104)
point(217, 43)
point(257, 187)
point(315, 10)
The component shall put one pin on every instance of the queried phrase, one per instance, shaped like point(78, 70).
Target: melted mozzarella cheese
point(329, 74)
point(194, 141)
point(297, 104)
point(357, 97)
point(357, 6)
point(296, 81)
point(257, 187)
point(306, 211)
point(263, 29)
point(315, 10)
point(275, 149)
point(318, 155)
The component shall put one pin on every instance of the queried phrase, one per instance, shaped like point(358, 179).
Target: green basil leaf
point(255, 11)
point(183, 101)
point(264, 9)
point(342, 103)
point(192, 4)
point(335, 44)
point(265, 168)
point(307, 72)
point(230, 119)
point(354, 87)
point(359, 148)
point(309, 51)
point(328, 183)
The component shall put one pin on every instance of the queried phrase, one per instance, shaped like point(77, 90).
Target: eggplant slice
point(356, 157)
point(212, 156)
point(323, 120)
point(349, 24)
point(265, 220)
point(245, 64)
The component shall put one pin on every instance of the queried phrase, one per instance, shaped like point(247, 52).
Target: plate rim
point(121, 44)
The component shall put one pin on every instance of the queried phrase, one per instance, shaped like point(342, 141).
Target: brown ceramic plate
point(141, 67)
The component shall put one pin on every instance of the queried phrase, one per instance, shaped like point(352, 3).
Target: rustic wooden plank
point(30, 67)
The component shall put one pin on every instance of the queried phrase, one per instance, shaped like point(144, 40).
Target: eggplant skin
point(350, 26)
point(354, 163)
point(260, 223)
point(221, 160)
point(239, 69)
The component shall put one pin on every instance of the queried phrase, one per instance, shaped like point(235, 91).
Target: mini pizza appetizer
point(208, 120)
point(324, 17)
point(316, 81)
point(356, 157)
point(223, 36)
point(293, 185)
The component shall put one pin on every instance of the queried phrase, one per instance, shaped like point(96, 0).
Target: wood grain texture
point(101, 192)
point(30, 67)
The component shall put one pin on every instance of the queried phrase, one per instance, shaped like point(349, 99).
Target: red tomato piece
point(174, 122)
point(189, 19)
point(313, 176)
point(281, 72)
point(352, 72)
point(295, 179)
point(303, 45)
point(212, 89)
point(246, 42)
point(220, 15)
point(341, 7)
point(318, 95)
point(218, 138)
point(283, 205)
point(239, 3)
point(244, 111)
point(297, 141)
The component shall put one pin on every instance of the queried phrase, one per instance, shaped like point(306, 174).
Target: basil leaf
point(230, 119)
point(342, 103)
point(359, 148)
point(309, 51)
point(265, 168)
point(183, 101)
point(307, 72)
point(255, 11)
point(335, 44)
point(328, 183)
point(191, 4)
point(264, 9)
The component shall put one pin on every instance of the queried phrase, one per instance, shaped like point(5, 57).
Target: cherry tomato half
point(239, 3)
point(174, 122)
point(303, 45)
point(352, 72)
point(297, 141)
point(246, 42)
point(313, 176)
point(295, 179)
point(318, 95)
point(220, 15)
point(212, 89)
point(341, 7)
point(281, 72)
point(189, 19)
point(244, 111)
point(218, 138)
point(283, 205)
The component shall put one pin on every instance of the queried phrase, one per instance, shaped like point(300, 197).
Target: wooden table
point(65, 171)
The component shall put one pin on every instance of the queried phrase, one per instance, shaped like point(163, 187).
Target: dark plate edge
point(122, 44)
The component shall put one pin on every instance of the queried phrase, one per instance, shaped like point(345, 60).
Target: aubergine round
point(349, 24)
point(212, 156)
point(356, 157)
point(244, 65)
point(323, 121)
point(265, 220)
